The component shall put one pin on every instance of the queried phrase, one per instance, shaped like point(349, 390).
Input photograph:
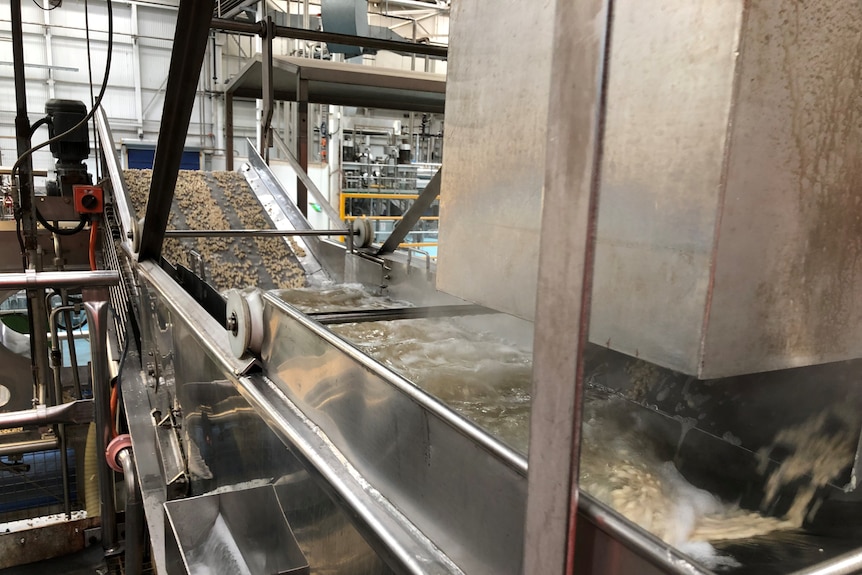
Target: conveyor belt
point(222, 200)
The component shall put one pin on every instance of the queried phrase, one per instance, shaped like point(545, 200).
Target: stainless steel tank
point(728, 236)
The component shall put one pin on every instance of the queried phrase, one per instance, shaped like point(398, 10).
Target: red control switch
point(88, 199)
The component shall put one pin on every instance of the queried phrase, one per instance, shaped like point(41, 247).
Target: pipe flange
point(244, 321)
point(117, 444)
point(364, 232)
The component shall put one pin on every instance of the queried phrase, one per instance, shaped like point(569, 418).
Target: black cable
point(54, 7)
point(60, 231)
point(39, 122)
point(18, 235)
point(86, 118)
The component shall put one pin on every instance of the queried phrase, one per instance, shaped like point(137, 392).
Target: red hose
point(115, 400)
point(94, 235)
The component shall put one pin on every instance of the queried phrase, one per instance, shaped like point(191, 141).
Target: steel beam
point(250, 233)
point(417, 209)
point(329, 37)
point(569, 214)
point(190, 42)
point(302, 142)
point(267, 89)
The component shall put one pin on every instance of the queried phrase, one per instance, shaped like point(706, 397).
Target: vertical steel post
point(22, 128)
point(302, 142)
point(267, 88)
point(35, 297)
point(228, 128)
point(96, 304)
point(570, 207)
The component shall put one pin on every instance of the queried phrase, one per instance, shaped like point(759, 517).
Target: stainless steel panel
point(496, 122)
point(787, 267)
point(581, 37)
point(387, 530)
point(239, 531)
point(263, 181)
point(125, 210)
point(464, 490)
point(727, 228)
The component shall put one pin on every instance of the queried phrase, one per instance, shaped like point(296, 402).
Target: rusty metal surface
point(38, 543)
point(788, 255)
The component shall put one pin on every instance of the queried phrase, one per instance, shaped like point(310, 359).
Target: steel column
point(96, 305)
point(22, 130)
point(570, 208)
point(302, 143)
point(190, 41)
point(228, 127)
point(267, 89)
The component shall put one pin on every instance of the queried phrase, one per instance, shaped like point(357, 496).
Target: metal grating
point(31, 485)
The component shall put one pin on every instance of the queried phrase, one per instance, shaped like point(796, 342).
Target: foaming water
point(338, 297)
point(487, 379)
point(479, 375)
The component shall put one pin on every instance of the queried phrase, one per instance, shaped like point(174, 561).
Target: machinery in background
point(252, 436)
point(70, 151)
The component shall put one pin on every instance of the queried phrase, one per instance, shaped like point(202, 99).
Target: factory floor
point(89, 561)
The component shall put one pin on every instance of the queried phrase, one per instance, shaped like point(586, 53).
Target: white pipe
point(136, 71)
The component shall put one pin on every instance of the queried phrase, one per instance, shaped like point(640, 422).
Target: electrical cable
point(59, 231)
point(94, 236)
point(54, 7)
point(39, 122)
point(92, 112)
point(115, 400)
point(116, 389)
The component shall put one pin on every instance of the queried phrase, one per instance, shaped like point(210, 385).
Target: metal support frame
point(302, 142)
point(417, 209)
point(267, 88)
point(96, 304)
point(22, 130)
point(579, 71)
point(124, 208)
point(331, 213)
point(228, 127)
point(252, 233)
point(258, 28)
point(134, 540)
point(190, 42)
